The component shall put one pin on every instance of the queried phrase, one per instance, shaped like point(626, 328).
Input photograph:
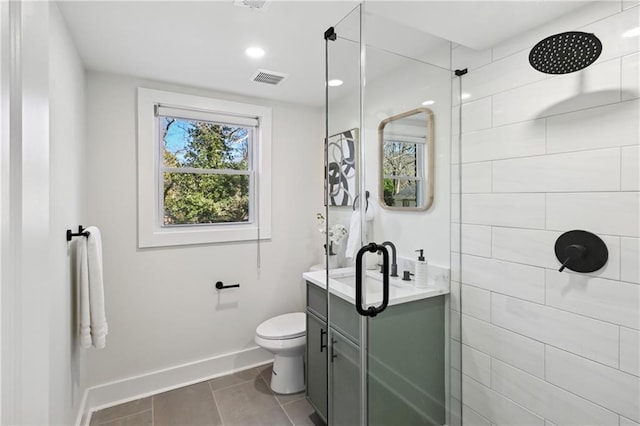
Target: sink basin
point(342, 284)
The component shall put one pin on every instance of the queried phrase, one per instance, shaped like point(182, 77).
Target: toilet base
point(288, 374)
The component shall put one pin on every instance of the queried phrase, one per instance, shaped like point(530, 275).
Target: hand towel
point(92, 310)
point(83, 284)
point(355, 239)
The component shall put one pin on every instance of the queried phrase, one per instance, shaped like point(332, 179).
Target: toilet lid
point(287, 326)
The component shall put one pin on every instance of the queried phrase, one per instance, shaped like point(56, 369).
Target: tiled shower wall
point(542, 155)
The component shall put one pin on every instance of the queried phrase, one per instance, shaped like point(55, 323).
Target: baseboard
point(132, 388)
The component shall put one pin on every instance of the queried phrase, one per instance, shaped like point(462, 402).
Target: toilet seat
point(283, 327)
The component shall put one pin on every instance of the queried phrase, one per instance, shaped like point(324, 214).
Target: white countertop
point(342, 284)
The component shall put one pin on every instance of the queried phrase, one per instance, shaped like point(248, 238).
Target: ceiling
point(202, 43)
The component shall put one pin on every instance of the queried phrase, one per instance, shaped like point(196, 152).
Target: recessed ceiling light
point(465, 96)
point(429, 102)
point(335, 83)
point(254, 52)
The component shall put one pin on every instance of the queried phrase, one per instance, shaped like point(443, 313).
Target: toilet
point(285, 337)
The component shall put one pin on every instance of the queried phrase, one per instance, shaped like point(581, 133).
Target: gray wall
point(162, 307)
point(68, 194)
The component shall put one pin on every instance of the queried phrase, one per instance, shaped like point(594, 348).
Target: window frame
point(151, 231)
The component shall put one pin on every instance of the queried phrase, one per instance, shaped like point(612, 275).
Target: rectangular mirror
point(406, 160)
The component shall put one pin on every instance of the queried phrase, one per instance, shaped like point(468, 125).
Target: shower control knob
point(573, 252)
point(581, 251)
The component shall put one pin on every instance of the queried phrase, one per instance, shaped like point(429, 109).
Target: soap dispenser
point(422, 271)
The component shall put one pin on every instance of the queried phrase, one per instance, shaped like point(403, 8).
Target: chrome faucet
point(394, 265)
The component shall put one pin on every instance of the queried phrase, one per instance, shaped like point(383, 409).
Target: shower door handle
point(323, 345)
point(372, 311)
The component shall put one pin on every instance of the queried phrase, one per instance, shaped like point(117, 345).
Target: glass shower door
point(388, 364)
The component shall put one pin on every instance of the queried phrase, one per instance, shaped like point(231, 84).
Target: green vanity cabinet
point(345, 381)
point(317, 363)
point(406, 361)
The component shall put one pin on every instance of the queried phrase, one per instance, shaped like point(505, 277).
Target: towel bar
point(355, 200)
point(81, 232)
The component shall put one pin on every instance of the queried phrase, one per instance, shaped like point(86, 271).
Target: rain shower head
point(565, 52)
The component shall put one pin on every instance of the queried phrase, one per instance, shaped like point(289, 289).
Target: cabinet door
point(317, 364)
point(345, 381)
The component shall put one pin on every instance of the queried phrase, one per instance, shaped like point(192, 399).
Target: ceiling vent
point(268, 77)
point(261, 5)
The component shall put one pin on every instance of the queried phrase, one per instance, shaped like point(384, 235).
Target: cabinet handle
point(322, 344)
point(333, 355)
point(372, 311)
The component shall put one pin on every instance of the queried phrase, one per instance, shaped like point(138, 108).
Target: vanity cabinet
point(406, 361)
point(317, 363)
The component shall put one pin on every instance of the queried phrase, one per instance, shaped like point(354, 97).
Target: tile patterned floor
point(240, 399)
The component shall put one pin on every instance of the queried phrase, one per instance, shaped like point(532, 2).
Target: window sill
point(161, 237)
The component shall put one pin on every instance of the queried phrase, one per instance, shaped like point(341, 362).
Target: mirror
point(406, 160)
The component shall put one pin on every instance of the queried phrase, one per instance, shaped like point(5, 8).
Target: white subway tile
point(630, 350)
point(476, 177)
point(608, 300)
point(455, 296)
point(610, 31)
point(476, 365)
point(456, 201)
point(606, 386)
point(515, 349)
point(476, 115)
point(476, 239)
point(530, 246)
point(593, 86)
point(612, 213)
point(584, 336)
point(511, 141)
point(597, 170)
point(498, 76)
point(455, 325)
point(576, 19)
point(630, 168)
point(548, 423)
point(630, 260)
point(456, 384)
point(601, 127)
point(476, 302)
point(464, 57)
point(495, 407)
point(455, 179)
point(456, 354)
point(455, 266)
point(536, 247)
point(455, 408)
point(455, 237)
point(472, 418)
point(523, 281)
point(547, 400)
point(516, 210)
point(629, 3)
point(626, 422)
point(630, 76)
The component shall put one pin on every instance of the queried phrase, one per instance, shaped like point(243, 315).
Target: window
point(203, 170)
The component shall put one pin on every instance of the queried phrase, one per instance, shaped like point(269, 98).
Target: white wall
point(162, 307)
point(542, 155)
point(68, 192)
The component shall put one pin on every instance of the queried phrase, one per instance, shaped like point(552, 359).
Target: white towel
point(93, 322)
point(354, 242)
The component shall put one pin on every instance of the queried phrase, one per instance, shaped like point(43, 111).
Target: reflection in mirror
point(406, 160)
